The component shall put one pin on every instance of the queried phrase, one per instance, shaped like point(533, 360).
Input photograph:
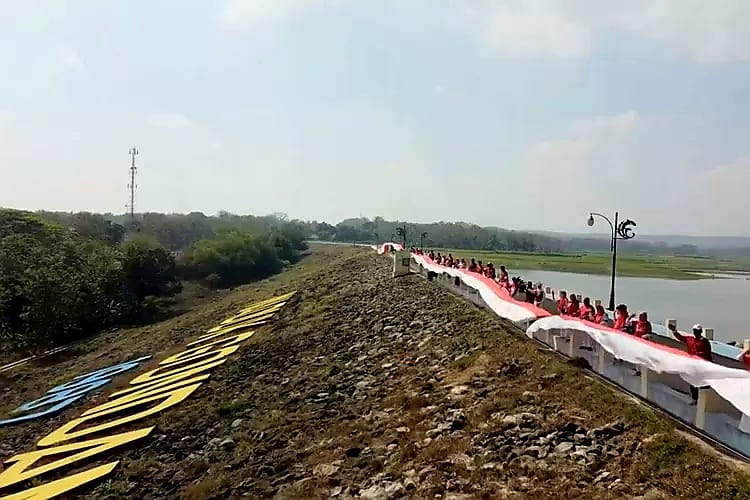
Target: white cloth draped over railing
point(732, 384)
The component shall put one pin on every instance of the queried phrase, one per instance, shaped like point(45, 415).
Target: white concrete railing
point(712, 414)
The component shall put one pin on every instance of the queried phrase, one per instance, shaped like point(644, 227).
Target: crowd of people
point(515, 286)
point(637, 325)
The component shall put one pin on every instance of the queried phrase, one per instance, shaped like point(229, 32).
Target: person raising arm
point(697, 345)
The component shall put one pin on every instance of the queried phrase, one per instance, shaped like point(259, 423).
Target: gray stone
point(374, 492)
point(325, 470)
point(602, 476)
point(394, 489)
point(227, 444)
point(563, 447)
point(236, 423)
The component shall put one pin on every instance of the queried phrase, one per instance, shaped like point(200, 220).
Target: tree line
point(63, 275)
point(462, 235)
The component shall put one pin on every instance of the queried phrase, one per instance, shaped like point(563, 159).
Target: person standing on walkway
point(697, 345)
point(539, 295)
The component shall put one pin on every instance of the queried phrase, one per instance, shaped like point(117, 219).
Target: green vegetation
point(652, 266)
point(64, 276)
point(234, 257)
point(56, 285)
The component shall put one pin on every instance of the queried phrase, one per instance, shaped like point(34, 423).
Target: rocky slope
point(372, 387)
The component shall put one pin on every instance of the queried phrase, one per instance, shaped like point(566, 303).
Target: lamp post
point(620, 231)
point(401, 231)
point(421, 240)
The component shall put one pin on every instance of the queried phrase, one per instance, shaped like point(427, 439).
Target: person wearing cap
point(697, 345)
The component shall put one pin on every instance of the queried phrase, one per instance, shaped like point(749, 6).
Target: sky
point(519, 114)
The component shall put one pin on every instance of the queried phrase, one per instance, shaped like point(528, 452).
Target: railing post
point(644, 380)
point(709, 333)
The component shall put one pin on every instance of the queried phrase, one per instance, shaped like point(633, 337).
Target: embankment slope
point(377, 387)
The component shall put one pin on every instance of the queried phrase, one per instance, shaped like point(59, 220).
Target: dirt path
point(379, 388)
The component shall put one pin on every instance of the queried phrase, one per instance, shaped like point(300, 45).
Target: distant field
point(652, 266)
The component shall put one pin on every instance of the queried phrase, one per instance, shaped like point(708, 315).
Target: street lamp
point(401, 231)
point(421, 240)
point(620, 231)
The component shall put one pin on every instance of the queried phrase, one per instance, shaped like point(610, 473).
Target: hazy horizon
point(500, 113)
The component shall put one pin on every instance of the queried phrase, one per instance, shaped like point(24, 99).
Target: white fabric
point(732, 384)
point(505, 308)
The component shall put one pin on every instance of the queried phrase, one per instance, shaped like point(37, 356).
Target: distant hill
point(702, 242)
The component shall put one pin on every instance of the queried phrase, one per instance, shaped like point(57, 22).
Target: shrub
point(233, 256)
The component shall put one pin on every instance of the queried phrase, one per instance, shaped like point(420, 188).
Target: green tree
point(233, 256)
point(149, 269)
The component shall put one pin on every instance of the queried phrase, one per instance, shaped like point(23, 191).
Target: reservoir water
point(714, 303)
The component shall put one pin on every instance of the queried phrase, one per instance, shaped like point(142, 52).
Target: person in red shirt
point(697, 345)
point(744, 357)
point(473, 266)
point(642, 326)
point(587, 310)
point(621, 317)
point(600, 315)
point(574, 308)
point(490, 271)
point(503, 275)
point(562, 302)
point(480, 267)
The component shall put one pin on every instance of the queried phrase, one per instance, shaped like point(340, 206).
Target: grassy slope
point(337, 334)
point(652, 266)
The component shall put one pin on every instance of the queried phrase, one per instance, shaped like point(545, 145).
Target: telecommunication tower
point(133, 153)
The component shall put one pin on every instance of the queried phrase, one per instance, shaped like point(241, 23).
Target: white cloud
point(241, 14)
point(617, 124)
point(172, 121)
point(712, 32)
point(585, 167)
point(70, 58)
point(533, 30)
point(708, 32)
point(715, 201)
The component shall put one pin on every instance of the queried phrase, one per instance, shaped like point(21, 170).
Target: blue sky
point(523, 114)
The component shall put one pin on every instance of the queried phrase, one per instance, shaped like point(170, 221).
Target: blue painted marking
point(66, 394)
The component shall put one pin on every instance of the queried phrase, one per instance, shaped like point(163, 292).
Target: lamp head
point(591, 220)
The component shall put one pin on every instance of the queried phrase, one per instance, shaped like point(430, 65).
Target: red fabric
point(700, 347)
point(598, 318)
point(642, 328)
point(562, 305)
